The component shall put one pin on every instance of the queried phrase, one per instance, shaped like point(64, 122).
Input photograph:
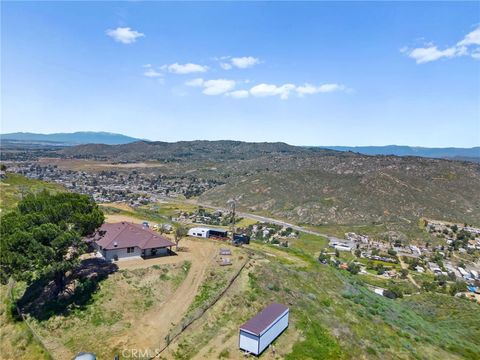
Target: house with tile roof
point(123, 240)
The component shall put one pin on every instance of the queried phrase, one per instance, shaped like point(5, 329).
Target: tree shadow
point(41, 301)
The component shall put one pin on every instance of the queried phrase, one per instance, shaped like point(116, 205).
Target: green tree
point(43, 236)
point(353, 268)
point(180, 232)
point(323, 257)
point(381, 269)
point(392, 252)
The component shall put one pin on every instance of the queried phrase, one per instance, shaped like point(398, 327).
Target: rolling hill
point(347, 188)
point(184, 151)
point(313, 185)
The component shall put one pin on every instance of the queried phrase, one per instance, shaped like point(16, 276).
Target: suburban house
point(126, 240)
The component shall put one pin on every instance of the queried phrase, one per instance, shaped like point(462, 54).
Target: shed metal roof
point(264, 319)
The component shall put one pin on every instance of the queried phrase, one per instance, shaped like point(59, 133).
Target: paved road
point(252, 216)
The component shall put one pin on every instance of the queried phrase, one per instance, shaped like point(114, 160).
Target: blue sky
point(311, 73)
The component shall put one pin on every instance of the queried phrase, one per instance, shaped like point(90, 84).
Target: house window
point(130, 250)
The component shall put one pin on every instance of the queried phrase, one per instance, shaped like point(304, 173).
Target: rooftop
point(264, 318)
point(125, 234)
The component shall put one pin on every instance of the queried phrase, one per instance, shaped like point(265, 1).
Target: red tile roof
point(124, 234)
point(262, 321)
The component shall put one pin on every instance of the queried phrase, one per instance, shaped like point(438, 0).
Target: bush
point(393, 292)
point(323, 258)
point(380, 269)
point(403, 273)
point(458, 286)
point(353, 268)
point(224, 354)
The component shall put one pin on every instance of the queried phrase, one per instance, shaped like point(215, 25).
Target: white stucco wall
point(160, 251)
point(121, 253)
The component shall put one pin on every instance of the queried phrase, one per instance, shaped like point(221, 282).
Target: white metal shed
point(198, 232)
point(207, 233)
point(259, 332)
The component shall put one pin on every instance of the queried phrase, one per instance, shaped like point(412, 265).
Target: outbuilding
point(259, 332)
point(207, 233)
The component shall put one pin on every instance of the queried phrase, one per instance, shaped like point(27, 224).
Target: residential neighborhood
point(135, 188)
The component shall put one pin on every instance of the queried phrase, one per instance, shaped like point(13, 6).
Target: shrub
point(224, 354)
point(353, 268)
point(458, 286)
point(393, 292)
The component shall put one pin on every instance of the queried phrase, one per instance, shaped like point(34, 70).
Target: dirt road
point(409, 276)
point(156, 325)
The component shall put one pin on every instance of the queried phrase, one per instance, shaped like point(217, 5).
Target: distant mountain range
point(68, 139)
point(107, 138)
point(450, 152)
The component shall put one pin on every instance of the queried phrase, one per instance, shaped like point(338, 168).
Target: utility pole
point(231, 202)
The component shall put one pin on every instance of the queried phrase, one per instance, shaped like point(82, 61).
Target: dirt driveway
point(154, 326)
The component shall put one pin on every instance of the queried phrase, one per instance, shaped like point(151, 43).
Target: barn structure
point(259, 332)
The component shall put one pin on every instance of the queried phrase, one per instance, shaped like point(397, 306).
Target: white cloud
point(476, 54)
point(472, 38)
point(431, 52)
point(263, 90)
point(238, 94)
point(218, 86)
point(284, 91)
point(195, 82)
point(185, 68)
point(125, 35)
point(244, 62)
point(227, 88)
point(225, 66)
point(151, 72)
point(309, 89)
